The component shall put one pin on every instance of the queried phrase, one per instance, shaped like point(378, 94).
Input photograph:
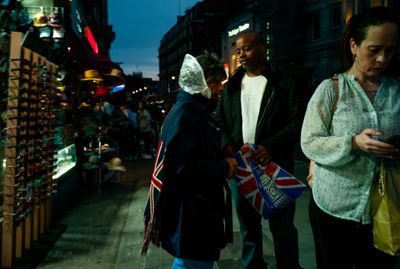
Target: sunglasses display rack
point(28, 184)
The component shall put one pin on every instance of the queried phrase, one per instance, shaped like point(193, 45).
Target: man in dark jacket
point(260, 106)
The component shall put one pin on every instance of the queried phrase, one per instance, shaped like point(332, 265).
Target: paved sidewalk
point(103, 228)
point(106, 231)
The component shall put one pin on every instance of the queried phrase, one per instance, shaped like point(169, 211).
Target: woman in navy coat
point(186, 209)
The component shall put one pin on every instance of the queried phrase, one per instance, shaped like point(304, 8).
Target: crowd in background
point(125, 126)
point(112, 126)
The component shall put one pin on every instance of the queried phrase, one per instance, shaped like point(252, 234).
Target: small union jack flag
point(268, 188)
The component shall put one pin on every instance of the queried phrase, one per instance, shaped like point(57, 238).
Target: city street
point(105, 230)
point(84, 81)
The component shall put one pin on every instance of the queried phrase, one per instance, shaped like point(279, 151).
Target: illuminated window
point(234, 63)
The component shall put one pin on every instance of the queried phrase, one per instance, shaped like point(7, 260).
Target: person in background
point(123, 129)
point(259, 106)
point(133, 137)
point(145, 129)
point(346, 142)
point(185, 212)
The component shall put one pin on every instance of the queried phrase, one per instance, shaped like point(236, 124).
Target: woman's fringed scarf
point(154, 202)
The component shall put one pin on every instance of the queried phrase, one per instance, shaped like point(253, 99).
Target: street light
point(171, 84)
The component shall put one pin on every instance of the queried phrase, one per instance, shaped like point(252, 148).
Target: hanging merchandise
point(3, 65)
point(115, 164)
point(61, 74)
point(55, 19)
point(20, 17)
point(101, 92)
point(58, 34)
point(45, 33)
point(92, 75)
point(4, 59)
point(7, 4)
point(61, 88)
point(56, 22)
point(40, 19)
point(115, 77)
point(5, 20)
point(30, 147)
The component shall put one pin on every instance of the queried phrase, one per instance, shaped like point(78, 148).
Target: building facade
point(301, 35)
point(198, 30)
point(325, 21)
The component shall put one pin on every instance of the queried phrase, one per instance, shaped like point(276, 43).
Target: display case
point(28, 148)
point(65, 159)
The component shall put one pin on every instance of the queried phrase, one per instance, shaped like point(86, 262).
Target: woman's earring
point(354, 57)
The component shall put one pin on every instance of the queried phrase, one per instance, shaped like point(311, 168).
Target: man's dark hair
point(258, 39)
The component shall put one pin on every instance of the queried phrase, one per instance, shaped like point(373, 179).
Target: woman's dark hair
point(357, 29)
point(212, 67)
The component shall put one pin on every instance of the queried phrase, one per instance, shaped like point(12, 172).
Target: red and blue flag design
point(268, 188)
point(153, 206)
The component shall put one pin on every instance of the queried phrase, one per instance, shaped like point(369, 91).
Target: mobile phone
point(394, 139)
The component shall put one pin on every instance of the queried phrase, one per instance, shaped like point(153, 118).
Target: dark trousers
point(312, 213)
point(345, 244)
point(126, 143)
point(146, 138)
point(283, 231)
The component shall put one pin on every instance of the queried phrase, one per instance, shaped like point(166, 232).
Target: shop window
point(234, 63)
point(379, 3)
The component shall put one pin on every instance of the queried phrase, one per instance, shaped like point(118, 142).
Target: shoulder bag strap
point(335, 79)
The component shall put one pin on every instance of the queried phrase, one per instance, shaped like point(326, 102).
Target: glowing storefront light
point(239, 29)
point(92, 41)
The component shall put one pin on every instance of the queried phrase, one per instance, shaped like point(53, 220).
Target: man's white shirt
point(252, 91)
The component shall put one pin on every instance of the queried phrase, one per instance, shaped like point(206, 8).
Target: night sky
point(139, 26)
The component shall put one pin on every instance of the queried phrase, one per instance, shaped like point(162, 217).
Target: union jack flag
point(153, 206)
point(268, 188)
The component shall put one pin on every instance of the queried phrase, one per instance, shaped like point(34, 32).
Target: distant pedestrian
point(123, 129)
point(145, 129)
point(185, 212)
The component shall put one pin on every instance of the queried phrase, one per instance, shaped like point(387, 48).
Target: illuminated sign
point(78, 22)
point(91, 40)
point(80, 26)
point(239, 29)
point(117, 88)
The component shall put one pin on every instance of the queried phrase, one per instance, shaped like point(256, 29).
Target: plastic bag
point(386, 210)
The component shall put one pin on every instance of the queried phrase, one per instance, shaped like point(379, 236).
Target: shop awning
point(85, 59)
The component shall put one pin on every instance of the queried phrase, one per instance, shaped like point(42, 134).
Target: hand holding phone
point(394, 140)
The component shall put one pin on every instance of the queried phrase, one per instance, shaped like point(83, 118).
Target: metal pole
point(101, 99)
point(99, 157)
